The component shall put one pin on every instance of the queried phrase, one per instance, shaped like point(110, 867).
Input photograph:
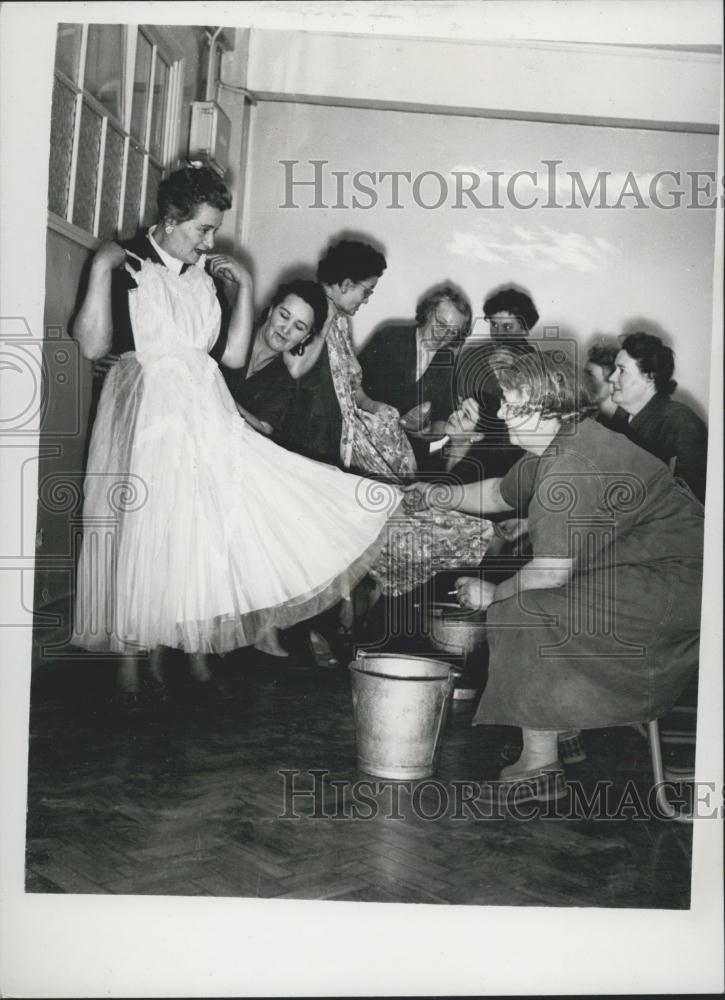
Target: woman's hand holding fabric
point(109, 256)
point(474, 594)
point(431, 496)
point(229, 269)
point(416, 496)
point(104, 365)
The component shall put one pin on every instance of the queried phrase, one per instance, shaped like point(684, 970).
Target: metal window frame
point(162, 48)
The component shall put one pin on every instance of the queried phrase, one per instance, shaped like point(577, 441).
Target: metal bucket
point(453, 629)
point(400, 704)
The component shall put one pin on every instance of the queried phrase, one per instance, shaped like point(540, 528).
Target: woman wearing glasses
point(332, 418)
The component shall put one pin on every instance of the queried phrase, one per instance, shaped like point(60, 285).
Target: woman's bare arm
point(481, 498)
point(93, 325)
point(299, 364)
point(239, 337)
point(539, 574)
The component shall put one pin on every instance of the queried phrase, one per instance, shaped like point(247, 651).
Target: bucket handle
point(442, 717)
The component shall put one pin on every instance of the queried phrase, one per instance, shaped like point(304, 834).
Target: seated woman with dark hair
point(263, 388)
point(601, 627)
point(642, 385)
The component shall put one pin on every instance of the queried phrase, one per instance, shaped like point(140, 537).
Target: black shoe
point(321, 652)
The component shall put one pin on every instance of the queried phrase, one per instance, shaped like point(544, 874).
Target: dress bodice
point(171, 313)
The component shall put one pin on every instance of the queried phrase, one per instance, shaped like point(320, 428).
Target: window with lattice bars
point(111, 133)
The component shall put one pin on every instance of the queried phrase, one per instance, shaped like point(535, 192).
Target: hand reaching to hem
point(474, 594)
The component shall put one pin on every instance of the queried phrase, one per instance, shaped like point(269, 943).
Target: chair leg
point(668, 810)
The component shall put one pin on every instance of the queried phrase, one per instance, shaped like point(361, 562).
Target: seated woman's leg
point(539, 751)
point(269, 642)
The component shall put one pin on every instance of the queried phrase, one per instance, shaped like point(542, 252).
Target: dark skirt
point(605, 650)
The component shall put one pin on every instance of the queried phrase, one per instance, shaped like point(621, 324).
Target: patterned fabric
point(375, 443)
point(427, 542)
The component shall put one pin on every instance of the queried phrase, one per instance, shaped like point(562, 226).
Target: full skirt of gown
point(198, 532)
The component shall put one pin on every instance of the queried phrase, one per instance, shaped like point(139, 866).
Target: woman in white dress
point(197, 536)
point(199, 533)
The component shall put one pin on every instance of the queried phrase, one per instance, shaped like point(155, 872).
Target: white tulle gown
point(200, 533)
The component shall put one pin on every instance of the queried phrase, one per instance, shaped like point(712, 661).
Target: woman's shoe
point(571, 747)
point(322, 653)
point(544, 784)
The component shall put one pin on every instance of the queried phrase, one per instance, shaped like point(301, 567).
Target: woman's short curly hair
point(511, 300)
point(352, 260)
point(553, 384)
point(311, 293)
point(183, 191)
point(444, 293)
point(604, 355)
point(653, 358)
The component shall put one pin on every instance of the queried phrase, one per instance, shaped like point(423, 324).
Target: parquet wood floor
point(188, 800)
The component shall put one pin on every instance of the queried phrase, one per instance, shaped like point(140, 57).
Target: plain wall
point(591, 271)
point(507, 77)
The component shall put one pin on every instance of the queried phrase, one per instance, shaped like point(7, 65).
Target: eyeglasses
point(504, 325)
point(439, 327)
point(367, 292)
